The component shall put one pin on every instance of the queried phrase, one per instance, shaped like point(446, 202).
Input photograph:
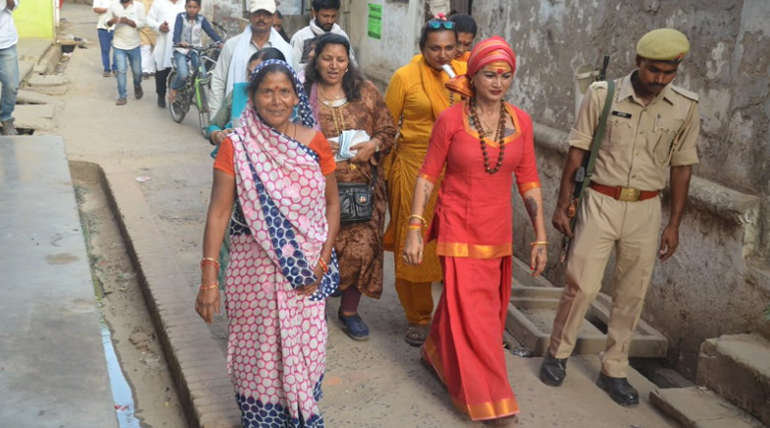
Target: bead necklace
point(483, 135)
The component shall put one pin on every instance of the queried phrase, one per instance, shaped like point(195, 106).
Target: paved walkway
point(52, 366)
point(159, 174)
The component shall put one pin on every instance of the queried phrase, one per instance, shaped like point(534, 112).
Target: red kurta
point(473, 229)
point(473, 213)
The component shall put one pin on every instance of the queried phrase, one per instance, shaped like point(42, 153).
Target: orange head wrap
point(488, 51)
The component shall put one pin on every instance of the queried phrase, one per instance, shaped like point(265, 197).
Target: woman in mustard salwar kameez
point(416, 96)
point(480, 145)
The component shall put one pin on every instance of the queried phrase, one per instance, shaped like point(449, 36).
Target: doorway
point(461, 6)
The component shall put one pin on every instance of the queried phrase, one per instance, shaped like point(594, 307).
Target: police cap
point(663, 44)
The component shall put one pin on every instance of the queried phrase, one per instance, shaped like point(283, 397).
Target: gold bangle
point(414, 226)
point(210, 286)
point(538, 243)
point(419, 217)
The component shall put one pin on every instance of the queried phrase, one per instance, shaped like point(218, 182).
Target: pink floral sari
point(277, 338)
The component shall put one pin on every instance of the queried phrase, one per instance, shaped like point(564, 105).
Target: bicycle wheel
point(178, 109)
point(203, 109)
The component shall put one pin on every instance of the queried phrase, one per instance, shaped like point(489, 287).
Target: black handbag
point(357, 200)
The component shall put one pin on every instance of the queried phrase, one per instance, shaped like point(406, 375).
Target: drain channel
point(121, 391)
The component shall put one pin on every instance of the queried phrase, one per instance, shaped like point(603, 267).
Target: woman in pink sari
point(282, 263)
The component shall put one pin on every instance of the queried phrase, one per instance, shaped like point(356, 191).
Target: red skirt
point(465, 345)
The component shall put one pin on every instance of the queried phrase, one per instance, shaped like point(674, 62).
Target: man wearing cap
point(652, 127)
point(232, 61)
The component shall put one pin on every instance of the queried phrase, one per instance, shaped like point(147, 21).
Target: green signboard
point(375, 21)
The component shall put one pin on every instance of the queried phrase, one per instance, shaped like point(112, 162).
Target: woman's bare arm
point(220, 208)
point(533, 200)
point(414, 244)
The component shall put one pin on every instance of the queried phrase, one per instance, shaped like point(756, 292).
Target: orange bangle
point(414, 226)
point(205, 260)
point(210, 286)
point(323, 264)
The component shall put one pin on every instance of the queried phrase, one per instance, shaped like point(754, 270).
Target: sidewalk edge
point(197, 372)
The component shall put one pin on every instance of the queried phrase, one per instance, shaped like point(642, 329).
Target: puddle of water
point(122, 395)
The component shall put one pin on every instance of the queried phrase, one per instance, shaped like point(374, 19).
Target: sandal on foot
point(416, 334)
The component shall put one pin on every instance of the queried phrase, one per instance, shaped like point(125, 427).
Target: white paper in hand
point(348, 139)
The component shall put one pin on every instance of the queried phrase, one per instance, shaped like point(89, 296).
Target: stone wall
point(718, 282)
point(229, 13)
point(715, 283)
point(401, 21)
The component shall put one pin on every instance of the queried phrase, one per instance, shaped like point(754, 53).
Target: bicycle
point(194, 91)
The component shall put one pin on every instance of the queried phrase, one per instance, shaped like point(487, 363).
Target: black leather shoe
point(553, 371)
point(618, 389)
point(162, 102)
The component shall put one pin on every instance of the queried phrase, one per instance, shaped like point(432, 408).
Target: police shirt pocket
point(665, 143)
point(618, 131)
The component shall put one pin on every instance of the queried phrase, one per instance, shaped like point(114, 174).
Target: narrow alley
point(142, 184)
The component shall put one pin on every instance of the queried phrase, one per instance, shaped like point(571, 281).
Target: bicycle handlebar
point(199, 48)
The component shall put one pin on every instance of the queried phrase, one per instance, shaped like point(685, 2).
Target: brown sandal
point(416, 334)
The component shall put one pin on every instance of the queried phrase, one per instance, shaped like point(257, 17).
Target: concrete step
point(39, 117)
point(49, 84)
point(737, 367)
point(25, 96)
point(697, 407)
point(30, 51)
point(530, 319)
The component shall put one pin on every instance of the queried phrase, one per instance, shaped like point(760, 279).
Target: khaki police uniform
point(640, 144)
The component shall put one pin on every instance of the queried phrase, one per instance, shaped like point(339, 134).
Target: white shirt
point(304, 35)
point(8, 34)
point(101, 22)
point(219, 83)
point(127, 37)
point(160, 12)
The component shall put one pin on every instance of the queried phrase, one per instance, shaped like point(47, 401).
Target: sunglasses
point(438, 23)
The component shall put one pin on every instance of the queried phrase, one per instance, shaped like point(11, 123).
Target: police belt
point(625, 194)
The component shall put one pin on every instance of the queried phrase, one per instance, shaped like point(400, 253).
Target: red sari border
point(463, 249)
point(477, 412)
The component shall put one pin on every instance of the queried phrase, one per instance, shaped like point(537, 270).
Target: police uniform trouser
point(603, 224)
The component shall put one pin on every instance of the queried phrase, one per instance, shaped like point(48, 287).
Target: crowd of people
point(309, 155)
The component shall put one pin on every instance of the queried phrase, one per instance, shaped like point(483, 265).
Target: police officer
point(652, 127)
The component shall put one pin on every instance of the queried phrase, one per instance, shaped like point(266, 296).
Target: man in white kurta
point(161, 18)
point(232, 61)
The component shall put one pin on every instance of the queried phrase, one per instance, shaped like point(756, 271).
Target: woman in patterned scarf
point(280, 175)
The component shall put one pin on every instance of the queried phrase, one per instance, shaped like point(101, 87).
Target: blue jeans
point(105, 43)
point(9, 77)
point(182, 71)
point(122, 58)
